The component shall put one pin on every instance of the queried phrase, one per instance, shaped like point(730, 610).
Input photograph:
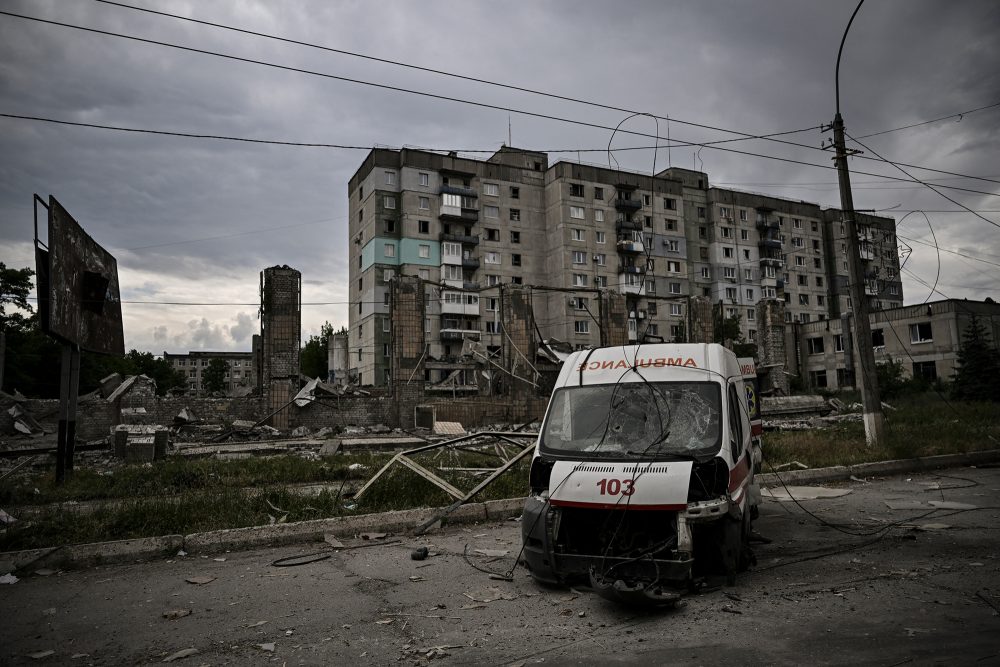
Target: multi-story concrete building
point(240, 377)
point(925, 338)
point(467, 226)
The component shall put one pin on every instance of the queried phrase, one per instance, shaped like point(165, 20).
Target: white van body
point(644, 464)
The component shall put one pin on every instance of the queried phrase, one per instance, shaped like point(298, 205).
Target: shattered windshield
point(635, 419)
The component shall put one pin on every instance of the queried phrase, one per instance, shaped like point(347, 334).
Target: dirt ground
point(885, 595)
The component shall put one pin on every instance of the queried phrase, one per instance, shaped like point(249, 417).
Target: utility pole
point(870, 400)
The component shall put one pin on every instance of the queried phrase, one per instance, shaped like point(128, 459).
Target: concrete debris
point(257, 624)
point(787, 407)
point(373, 536)
point(333, 541)
point(186, 416)
point(792, 493)
point(323, 432)
point(301, 431)
point(41, 655)
point(448, 428)
point(140, 384)
point(267, 647)
point(330, 447)
point(24, 422)
point(109, 384)
point(200, 581)
point(180, 655)
point(8, 579)
point(174, 614)
point(6, 519)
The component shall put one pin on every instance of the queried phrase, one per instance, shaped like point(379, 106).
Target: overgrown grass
point(176, 475)
point(184, 496)
point(920, 426)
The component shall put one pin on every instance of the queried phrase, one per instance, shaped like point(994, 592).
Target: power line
point(927, 185)
point(953, 252)
point(523, 89)
point(533, 114)
point(958, 115)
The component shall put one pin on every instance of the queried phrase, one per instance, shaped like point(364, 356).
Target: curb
point(401, 521)
point(835, 473)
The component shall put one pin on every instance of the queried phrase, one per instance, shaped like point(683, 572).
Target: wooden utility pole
point(870, 400)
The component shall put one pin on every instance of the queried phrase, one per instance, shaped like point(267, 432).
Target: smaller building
point(240, 379)
point(925, 338)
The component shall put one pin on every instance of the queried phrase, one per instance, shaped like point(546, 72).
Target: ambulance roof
point(655, 362)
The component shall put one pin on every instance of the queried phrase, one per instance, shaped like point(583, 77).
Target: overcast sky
point(196, 220)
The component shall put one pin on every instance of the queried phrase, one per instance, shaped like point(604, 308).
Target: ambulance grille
point(593, 468)
point(645, 470)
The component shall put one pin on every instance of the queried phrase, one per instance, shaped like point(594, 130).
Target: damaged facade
point(576, 234)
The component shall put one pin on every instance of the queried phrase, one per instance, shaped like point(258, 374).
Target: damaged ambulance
point(643, 475)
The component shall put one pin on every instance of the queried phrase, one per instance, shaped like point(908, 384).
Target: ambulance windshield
point(635, 420)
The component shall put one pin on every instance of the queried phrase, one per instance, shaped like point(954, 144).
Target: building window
point(803, 299)
point(802, 279)
point(670, 203)
point(515, 215)
point(492, 328)
point(727, 252)
point(423, 227)
point(751, 315)
point(388, 201)
point(676, 309)
point(491, 189)
point(579, 257)
point(646, 200)
point(768, 292)
point(389, 250)
point(387, 275)
point(748, 274)
point(725, 213)
point(492, 304)
point(577, 234)
point(743, 215)
point(731, 293)
point(385, 325)
point(673, 267)
point(818, 378)
point(579, 280)
point(390, 178)
point(925, 370)
point(744, 234)
point(576, 212)
point(515, 192)
point(599, 237)
point(817, 262)
point(838, 343)
point(804, 318)
point(798, 261)
point(672, 245)
point(820, 300)
point(706, 272)
point(878, 338)
point(599, 193)
point(389, 226)
point(796, 223)
point(492, 258)
point(675, 288)
point(729, 272)
point(701, 211)
point(601, 259)
point(515, 259)
point(727, 232)
point(598, 215)
point(752, 335)
point(746, 254)
point(815, 345)
point(424, 251)
point(492, 234)
point(671, 225)
point(424, 203)
point(425, 179)
point(424, 274)
point(581, 326)
point(575, 190)
point(600, 281)
point(921, 333)
point(515, 237)
point(491, 211)
point(749, 294)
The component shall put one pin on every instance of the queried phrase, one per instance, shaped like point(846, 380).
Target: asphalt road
point(817, 596)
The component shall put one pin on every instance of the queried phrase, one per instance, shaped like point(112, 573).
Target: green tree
point(977, 369)
point(15, 287)
point(314, 358)
point(891, 378)
point(213, 378)
point(728, 330)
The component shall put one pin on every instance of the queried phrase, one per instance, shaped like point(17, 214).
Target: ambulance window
point(735, 424)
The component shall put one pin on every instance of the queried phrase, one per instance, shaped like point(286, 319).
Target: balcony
point(631, 246)
point(457, 303)
point(470, 263)
point(627, 204)
point(865, 251)
point(771, 261)
point(461, 192)
point(629, 269)
point(770, 244)
point(767, 226)
point(628, 226)
point(459, 334)
point(635, 287)
point(456, 214)
point(871, 287)
point(460, 238)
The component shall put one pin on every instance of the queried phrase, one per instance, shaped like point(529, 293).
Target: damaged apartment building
point(572, 234)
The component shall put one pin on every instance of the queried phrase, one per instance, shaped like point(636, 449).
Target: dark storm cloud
point(217, 212)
